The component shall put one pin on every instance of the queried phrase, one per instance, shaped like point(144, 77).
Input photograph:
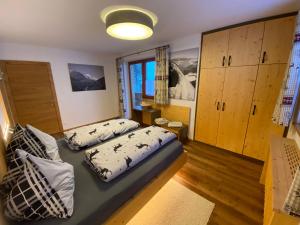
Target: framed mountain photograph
point(86, 77)
point(183, 74)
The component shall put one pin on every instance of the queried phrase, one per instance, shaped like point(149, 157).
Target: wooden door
point(245, 44)
point(32, 95)
point(209, 104)
point(261, 127)
point(278, 39)
point(214, 49)
point(236, 104)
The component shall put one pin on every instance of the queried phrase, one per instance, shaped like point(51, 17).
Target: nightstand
point(181, 132)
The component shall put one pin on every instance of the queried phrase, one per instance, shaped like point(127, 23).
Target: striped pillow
point(10, 178)
point(25, 140)
point(17, 132)
point(36, 196)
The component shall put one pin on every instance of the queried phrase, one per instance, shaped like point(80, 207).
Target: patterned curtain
point(162, 76)
point(284, 108)
point(121, 84)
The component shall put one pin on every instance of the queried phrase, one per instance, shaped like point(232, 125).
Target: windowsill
point(148, 99)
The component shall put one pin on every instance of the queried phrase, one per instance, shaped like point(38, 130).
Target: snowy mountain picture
point(183, 74)
point(86, 77)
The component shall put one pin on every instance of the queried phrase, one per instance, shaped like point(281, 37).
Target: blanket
point(87, 136)
point(113, 158)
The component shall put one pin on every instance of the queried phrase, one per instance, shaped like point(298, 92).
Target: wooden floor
point(228, 180)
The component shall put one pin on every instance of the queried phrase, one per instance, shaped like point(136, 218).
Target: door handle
point(229, 60)
point(264, 57)
point(254, 110)
point(223, 106)
point(218, 106)
point(223, 62)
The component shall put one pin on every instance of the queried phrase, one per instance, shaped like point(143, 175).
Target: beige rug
point(174, 204)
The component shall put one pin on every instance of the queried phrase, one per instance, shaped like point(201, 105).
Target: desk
point(145, 116)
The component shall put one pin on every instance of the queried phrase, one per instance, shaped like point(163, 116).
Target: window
point(142, 79)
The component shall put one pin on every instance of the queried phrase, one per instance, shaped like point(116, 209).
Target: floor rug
point(174, 204)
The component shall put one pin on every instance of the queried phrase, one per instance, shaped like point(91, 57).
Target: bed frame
point(132, 206)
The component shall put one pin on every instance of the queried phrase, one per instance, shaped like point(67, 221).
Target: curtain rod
point(136, 53)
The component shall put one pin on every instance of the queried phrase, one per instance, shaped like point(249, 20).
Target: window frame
point(143, 62)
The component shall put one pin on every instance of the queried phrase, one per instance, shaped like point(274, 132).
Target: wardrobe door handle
point(218, 106)
point(223, 62)
point(229, 60)
point(254, 110)
point(223, 106)
point(264, 57)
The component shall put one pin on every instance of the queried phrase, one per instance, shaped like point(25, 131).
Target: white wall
point(76, 108)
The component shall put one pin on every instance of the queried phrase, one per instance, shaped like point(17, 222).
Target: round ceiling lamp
point(128, 22)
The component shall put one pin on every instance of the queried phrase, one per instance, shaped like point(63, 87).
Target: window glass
point(142, 79)
point(150, 78)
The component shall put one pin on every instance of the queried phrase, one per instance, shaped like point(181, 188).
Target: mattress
point(96, 200)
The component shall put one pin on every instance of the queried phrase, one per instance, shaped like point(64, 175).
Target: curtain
point(121, 84)
point(284, 108)
point(162, 76)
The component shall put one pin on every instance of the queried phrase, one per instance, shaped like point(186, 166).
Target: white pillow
point(49, 141)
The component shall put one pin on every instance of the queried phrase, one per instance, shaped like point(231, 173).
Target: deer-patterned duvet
point(87, 136)
point(113, 158)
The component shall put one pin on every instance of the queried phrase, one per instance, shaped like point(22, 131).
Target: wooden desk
point(145, 116)
point(149, 115)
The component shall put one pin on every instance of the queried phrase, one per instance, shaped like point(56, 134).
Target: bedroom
point(149, 112)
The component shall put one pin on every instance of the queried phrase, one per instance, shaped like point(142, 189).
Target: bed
point(115, 202)
point(90, 135)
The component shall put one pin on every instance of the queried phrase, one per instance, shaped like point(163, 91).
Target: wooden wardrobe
point(30, 95)
point(241, 73)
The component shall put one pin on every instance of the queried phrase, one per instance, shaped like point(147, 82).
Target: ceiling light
point(128, 22)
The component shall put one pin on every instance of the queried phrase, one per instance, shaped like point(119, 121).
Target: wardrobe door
point(214, 49)
point(31, 94)
point(209, 104)
point(278, 39)
point(261, 127)
point(236, 105)
point(245, 44)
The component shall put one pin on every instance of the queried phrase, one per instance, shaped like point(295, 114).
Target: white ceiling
point(75, 24)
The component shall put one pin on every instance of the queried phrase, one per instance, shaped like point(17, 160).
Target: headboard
point(175, 113)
